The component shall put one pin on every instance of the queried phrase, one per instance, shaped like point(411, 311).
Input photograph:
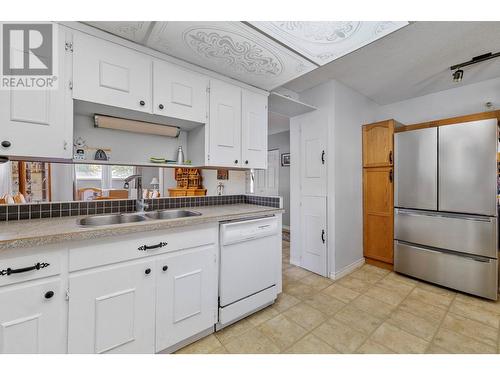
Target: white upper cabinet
point(107, 73)
point(254, 129)
point(225, 125)
point(179, 93)
point(39, 123)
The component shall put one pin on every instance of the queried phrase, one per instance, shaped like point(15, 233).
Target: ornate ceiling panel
point(136, 31)
point(230, 48)
point(323, 42)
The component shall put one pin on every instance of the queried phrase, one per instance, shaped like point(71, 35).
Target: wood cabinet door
point(110, 74)
point(112, 309)
point(186, 295)
point(38, 122)
point(378, 213)
point(179, 93)
point(32, 318)
point(254, 130)
point(378, 149)
point(225, 125)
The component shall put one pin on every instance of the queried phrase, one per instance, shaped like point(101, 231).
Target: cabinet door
point(32, 319)
point(225, 125)
point(313, 234)
point(39, 123)
point(112, 309)
point(254, 130)
point(378, 144)
point(378, 211)
point(179, 93)
point(107, 73)
point(313, 136)
point(186, 295)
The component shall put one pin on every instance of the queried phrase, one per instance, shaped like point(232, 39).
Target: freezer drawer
point(416, 169)
point(467, 234)
point(478, 276)
point(468, 167)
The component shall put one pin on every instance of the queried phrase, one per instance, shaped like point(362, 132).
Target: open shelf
point(288, 106)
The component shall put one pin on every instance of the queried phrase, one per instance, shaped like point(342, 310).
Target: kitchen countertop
point(28, 233)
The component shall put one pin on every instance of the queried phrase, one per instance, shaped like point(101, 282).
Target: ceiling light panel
point(232, 49)
point(323, 42)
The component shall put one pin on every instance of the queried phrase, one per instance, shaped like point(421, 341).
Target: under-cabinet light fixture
point(458, 73)
point(134, 126)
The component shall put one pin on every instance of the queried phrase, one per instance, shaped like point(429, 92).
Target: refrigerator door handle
point(400, 211)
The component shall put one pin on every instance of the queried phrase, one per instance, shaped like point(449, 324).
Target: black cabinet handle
point(390, 175)
point(142, 102)
point(157, 246)
point(10, 271)
point(390, 157)
point(236, 161)
point(161, 106)
point(49, 294)
point(246, 161)
point(323, 236)
point(323, 157)
point(147, 271)
point(6, 144)
point(164, 268)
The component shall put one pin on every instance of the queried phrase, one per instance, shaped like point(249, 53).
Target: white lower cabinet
point(32, 317)
point(186, 295)
point(112, 309)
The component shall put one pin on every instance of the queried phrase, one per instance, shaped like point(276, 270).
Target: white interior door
point(313, 234)
point(267, 180)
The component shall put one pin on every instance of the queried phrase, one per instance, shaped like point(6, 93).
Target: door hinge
point(70, 85)
point(208, 90)
point(208, 157)
point(215, 258)
point(68, 46)
point(67, 294)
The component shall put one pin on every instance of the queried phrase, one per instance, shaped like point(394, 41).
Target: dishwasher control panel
point(238, 231)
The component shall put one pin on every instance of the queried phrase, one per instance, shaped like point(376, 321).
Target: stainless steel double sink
point(98, 220)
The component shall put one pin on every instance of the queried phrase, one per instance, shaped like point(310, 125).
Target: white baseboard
point(295, 262)
point(347, 269)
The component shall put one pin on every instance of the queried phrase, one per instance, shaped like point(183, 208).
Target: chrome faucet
point(140, 206)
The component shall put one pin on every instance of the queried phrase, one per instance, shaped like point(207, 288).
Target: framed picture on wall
point(222, 174)
point(285, 160)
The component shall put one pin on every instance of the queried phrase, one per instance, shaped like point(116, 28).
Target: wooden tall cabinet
point(378, 192)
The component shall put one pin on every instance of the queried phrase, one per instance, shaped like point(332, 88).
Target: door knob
point(6, 144)
point(246, 161)
point(164, 268)
point(49, 294)
point(236, 161)
point(142, 102)
point(148, 271)
point(161, 106)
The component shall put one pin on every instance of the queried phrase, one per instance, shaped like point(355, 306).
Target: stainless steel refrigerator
point(445, 220)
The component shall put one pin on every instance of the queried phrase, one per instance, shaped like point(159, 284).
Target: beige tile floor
point(371, 310)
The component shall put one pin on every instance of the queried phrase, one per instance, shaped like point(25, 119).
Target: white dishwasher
point(250, 261)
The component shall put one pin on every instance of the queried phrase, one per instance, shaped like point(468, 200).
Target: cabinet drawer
point(468, 234)
point(473, 275)
point(31, 264)
point(93, 253)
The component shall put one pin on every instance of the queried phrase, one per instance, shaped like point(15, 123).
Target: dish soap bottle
point(180, 155)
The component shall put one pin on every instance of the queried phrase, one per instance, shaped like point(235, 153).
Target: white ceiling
point(322, 42)
point(263, 54)
point(413, 61)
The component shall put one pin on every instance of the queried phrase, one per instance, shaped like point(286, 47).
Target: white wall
point(347, 111)
point(462, 100)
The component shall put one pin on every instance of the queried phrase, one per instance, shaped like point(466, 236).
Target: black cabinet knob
point(236, 161)
point(148, 271)
point(161, 106)
point(142, 102)
point(164, 268)
point(246, 161)
point(6, 144)
point(49, 294)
